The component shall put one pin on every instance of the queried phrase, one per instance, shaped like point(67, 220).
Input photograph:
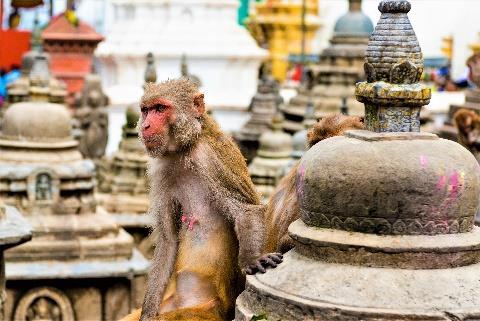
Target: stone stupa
point(80, 265)
point(263, 107)
point(340, 67)
point(123, 182)
point(274, 154)
point(387, 233)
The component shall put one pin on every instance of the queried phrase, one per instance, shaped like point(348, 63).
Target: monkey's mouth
point(152, 142)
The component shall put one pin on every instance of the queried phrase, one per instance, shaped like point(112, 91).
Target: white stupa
point(219, 51)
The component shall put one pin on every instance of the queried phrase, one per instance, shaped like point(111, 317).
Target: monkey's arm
point(250, 230)
point(162, 263)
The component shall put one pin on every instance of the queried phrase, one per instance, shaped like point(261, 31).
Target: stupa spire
point(392, 94)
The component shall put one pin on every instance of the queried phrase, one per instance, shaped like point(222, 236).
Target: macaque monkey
point(210, 224)
point(468, 125)
point(283, 208)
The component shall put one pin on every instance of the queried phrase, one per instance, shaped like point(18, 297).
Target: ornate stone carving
point(43, 187)
point(44, 304)
point(91, 119)
point(382, 226)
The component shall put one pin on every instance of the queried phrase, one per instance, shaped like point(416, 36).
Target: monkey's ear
point(199, 104)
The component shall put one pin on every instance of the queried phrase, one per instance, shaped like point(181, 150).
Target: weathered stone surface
point(419, 186)
point(387, 215)
point(302, 288)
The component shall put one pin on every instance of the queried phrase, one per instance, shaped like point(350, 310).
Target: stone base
point(325, 291)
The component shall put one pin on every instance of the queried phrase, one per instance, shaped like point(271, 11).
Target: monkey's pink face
point(157, 114)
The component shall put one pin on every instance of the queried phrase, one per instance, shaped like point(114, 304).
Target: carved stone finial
point(150, 72)
point(394, 43)
point(393, 65)
point(40, 72)
point(395, 6)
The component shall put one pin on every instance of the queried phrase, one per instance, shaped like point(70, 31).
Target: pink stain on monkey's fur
point(423, 161)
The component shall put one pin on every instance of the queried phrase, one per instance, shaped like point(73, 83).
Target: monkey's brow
point(150, 102)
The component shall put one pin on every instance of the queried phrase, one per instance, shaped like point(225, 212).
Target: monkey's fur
point(283, 207)
point(468, 125)
point(208, 215)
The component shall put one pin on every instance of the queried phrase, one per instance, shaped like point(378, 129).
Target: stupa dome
point(417, 187)
point(299, 143)
point(275, 143)
point(354, 23)
point(37, 122)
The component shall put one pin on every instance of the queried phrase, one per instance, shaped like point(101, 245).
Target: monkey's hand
point(262, 263)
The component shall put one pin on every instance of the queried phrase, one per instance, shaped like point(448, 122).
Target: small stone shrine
point(80, 265)
point(14, 230)
point(274, 154)
point(91, 118)
point(387, 233)
point(472, 99)
point(123, 183)
point(123, 178)
point(263, 107)
point(339, 69)
point(300, 140)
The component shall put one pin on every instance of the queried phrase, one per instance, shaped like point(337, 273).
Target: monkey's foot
point(262, 263)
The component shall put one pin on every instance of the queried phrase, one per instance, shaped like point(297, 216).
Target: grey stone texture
point(386, 228)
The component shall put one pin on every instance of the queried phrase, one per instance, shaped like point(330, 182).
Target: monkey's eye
point(144, 111)
point(159, 108)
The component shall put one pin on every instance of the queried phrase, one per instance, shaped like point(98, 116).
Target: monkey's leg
point(134, 316)
point(210, 311)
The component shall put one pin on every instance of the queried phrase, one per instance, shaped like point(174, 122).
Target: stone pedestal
point(220, 52)
point(387, 233)
point(14, 230)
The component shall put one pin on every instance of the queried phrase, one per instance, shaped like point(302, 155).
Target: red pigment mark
point(300, 179)
point(191, 221)
point(423, 161)
point(454, 184)
point(441, 182)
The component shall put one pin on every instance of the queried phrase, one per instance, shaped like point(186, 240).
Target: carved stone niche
point(43, 188)
point(44, 304)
